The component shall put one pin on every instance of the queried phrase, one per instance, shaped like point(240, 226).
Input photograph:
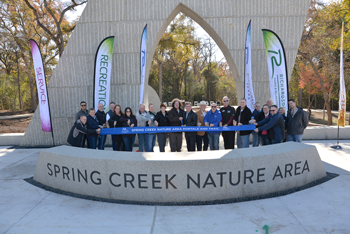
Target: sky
point(199, 30)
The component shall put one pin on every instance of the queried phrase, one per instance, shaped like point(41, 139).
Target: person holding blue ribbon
point(142, 123)
point(190, 120)
point(162, 120)
point(213, 119)
point(114, 122)
point(242, 117)
point(149, 118)
point(175, 116)
point(129, 120)
point(92, 123)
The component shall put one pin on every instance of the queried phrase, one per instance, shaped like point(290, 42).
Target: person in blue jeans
point(297, 121)
point(256, 112)
point(128, 120)
point(92, 123)
point(114, 122)
point(242, 117)
point(101, 117)
point(213, 119)
point(150, 118)
point(142, 123)
point(274, 123)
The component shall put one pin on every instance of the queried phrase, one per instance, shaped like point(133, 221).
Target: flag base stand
point(337, 146)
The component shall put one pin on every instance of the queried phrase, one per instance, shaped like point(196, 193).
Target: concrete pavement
point(25, 208)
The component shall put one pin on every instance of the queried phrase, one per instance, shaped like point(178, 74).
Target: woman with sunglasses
point(128, 120)
point(114, 122)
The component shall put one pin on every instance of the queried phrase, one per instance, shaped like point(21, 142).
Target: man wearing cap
point(213, 119)
point(202, 136)
point(228, 113)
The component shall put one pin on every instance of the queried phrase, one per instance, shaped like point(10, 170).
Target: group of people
point(272, 125)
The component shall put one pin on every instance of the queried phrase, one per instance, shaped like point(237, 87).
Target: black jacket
point(174, 116)
point(246, 115)
point(191, 119)
point(114, 117)
point(161, 119)
point(227, 114)
point(101, 116)
point(297, 124)
point(77, 134)
point(124, 121)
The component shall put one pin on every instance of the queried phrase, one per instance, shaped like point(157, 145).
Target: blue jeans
point(142, 142)
point(151, 142)
point(255, 139)
point(296, 138)
point(242, 141)
point(92, 141)
point(129, 142)
point(214, 141)
point(265, 140)
point(276, 141)
point(101, 142)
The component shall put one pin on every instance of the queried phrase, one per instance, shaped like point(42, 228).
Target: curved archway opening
point(191, 61)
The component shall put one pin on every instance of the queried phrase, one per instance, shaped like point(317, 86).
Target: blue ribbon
point(140, 130)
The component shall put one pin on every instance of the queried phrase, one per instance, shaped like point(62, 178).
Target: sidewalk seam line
point(154, 220)
point(293, 215)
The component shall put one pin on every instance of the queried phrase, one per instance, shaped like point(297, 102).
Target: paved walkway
point(25, 208)
point(5, 117)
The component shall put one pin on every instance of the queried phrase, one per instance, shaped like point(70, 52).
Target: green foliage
point(188, 71)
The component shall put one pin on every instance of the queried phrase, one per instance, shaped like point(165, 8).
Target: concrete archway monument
point(179, 177)
point(225, 21)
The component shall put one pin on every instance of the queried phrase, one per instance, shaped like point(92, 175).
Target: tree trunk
point(324, 115)
point(326, 96)
point(300, 98)
point(329, 112)
point(315, 100)
point(19, 85)
point(160, 82)
point(30, 76)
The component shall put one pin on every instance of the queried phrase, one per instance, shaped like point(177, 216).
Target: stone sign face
point(179, 177)
point(225, 21)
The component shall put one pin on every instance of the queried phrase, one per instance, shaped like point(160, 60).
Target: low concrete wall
point(179, 177)
point(326, 133)
point(11, 138)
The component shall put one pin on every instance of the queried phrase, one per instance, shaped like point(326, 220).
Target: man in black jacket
point(101, 117)
point(242, 117)
point(175, 116)
point(79, 131)
point(228, 113)
point(297, 122)
point(190, 120)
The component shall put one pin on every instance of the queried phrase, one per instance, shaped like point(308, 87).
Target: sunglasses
point(226, 101)
point(273, 110)
point(83, 105)
point(213, 106)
